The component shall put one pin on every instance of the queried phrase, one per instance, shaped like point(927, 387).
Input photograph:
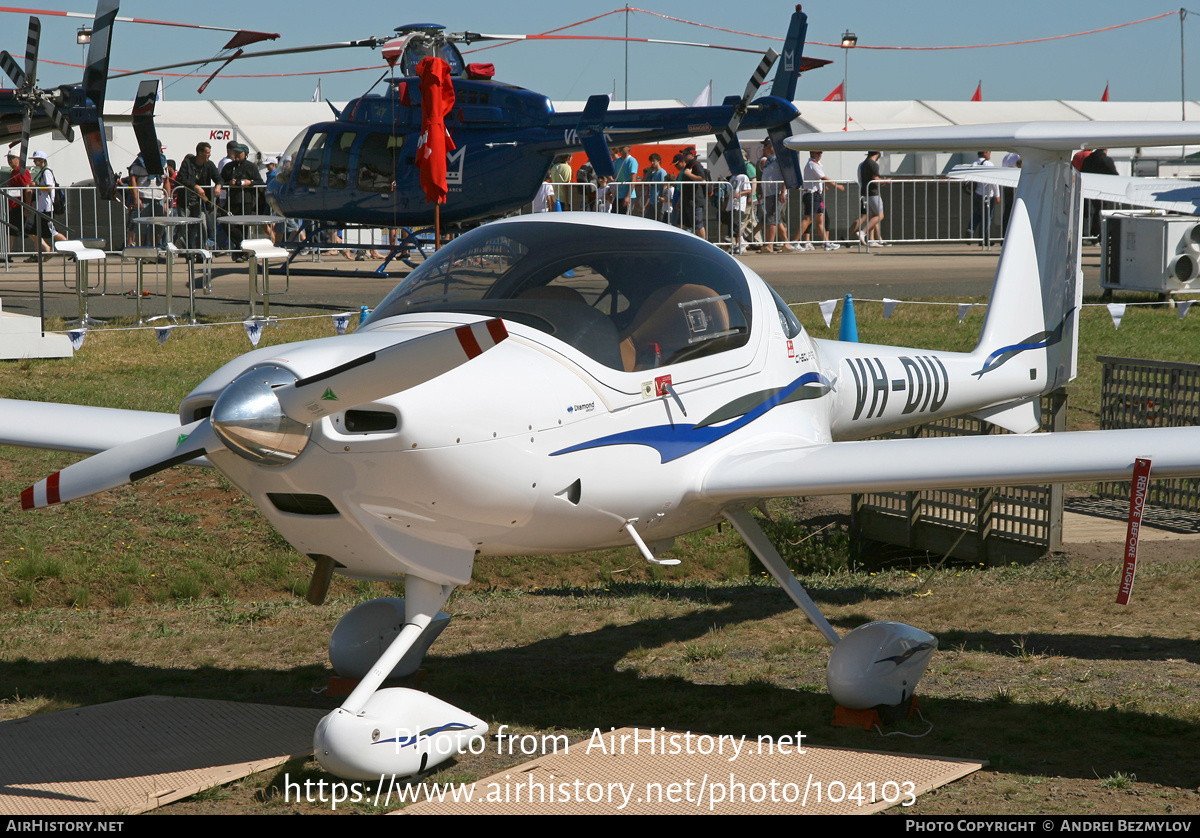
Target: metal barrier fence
point(1137, 393)
point(114, 222)
point(989, 525)
point(915, 210)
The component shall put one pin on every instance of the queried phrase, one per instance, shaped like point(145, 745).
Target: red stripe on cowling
point(496, 330)
point(52, 488)
point(27, 498)
point(467, 339)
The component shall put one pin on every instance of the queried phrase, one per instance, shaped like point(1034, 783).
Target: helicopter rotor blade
point(143, 127)
point(739, 111)
point(123, 464)
point(61, 123)
point(11, 69)
point(32, 40)
point(365, 42)
point(87, 103)
point(405, 364)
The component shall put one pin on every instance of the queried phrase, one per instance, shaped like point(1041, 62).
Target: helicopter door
point(339, 159)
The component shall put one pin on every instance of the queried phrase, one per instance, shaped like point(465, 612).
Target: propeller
point(265, 414)
point(740, 110)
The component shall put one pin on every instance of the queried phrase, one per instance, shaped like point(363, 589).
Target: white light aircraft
point(574, 381)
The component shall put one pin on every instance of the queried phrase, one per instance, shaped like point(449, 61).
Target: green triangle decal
point(329, 396)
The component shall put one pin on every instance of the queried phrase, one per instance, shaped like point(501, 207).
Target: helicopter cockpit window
point(310, 163)
point(339, 159)
point(377, 162)
point(630, 299)
point(289, 157)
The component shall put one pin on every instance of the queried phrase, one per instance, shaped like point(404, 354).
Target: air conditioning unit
point(1148, 252)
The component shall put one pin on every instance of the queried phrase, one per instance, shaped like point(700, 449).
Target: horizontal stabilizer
point(1015, 136)
point(1170, 194)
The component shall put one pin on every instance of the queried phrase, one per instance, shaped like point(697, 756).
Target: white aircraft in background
point(576, 381)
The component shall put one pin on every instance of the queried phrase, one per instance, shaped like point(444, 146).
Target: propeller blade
point(739, 112)
point(123, 464)
point(404, 365)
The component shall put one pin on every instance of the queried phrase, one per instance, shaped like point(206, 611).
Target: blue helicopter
point(360, 167)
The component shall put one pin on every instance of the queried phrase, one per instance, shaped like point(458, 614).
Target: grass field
point(177, 586)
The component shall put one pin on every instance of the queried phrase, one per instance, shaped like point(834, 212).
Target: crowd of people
point(747, 209)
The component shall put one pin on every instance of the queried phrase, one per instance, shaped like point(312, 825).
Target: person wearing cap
point(45, 187)
point(18, 177)
point(692, 178)
point(243, 180)
point(149, 199)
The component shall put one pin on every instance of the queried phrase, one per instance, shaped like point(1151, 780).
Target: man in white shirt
point(739, 192)
point(814, 201)
point(983, 200)
point(46, 187)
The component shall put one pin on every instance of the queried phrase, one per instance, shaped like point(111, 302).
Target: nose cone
point(248, 419)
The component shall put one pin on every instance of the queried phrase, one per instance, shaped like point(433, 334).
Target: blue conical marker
point(849, 329)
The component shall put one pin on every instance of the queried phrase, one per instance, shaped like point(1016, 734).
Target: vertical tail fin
point(1038, 287)
point(787, 72)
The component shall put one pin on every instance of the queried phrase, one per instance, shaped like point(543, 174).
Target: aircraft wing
point(1175, 195)
point(838, 468)
point(71, 427)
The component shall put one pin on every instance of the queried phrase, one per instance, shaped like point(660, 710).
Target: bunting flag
point(704, 100)
point(827, 307)
point(77, 336)
point(1183, 306)
point(977, 96)
point(838, 95)
point(889, 306)
point(162, 333)
point(1116, 311)
point(1104, 98)
point(963, 308)
point(253, 330)
point(340, 322)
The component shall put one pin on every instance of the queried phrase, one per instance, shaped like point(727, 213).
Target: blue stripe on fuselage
point(675, 441)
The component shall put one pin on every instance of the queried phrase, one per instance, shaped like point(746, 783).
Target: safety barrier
point(1138, 393)
point(915, 210)
point(988, 525)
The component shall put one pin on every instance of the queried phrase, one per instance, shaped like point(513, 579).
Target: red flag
point(838, 95)
point(1104, 98)
point(978, 96)
point(437, 100)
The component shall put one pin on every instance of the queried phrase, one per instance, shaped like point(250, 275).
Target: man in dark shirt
point(1096, 163)
point(243, 179)
point(693, 203)
point(200, 183)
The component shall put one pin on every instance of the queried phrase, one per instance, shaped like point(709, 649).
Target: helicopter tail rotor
point(727, 139)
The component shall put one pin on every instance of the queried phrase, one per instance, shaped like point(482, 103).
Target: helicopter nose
point(248, 418)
